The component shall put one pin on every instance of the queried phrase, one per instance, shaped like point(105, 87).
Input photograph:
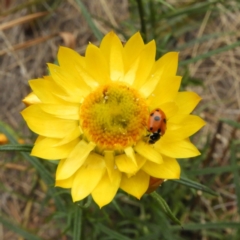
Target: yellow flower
point(93, 113)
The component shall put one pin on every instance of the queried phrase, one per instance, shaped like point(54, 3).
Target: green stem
point(77, 224)
point(142, 19)
point(153, 18)
point(164, 207)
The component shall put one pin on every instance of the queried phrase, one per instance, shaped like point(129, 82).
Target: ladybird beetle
point(157, 125)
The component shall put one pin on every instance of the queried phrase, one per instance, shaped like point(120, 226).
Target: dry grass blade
point(29, 43)
point(108, 12)
point(18, 7)
point(21, 20)
point(13, 166)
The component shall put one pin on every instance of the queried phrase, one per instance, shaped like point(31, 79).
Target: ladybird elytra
point(157, 125)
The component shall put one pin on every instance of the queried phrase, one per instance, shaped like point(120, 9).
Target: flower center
point(114, 116)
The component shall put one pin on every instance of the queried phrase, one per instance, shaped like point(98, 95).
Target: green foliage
point(17, 147)
point(165, 208)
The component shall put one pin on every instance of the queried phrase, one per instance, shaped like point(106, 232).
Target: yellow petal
point(130, 75)
point(187, 101)
point(169, 108)
point(180, 149)
point(132, 49)
point(106, 188)
point(74, 64)
point(131, 154)
point(75, 160)
point(109, 159)
point(126, 165)
point(87, 77)
point(190, 125)
point(44, 90)
point(30, 99)
point(184, 119)
point(96, 64)
point(136, 185)
point(148, 152)
point(45, 124)
point(40, 138)
point(70, 136)
point(140, 160)
point(146, 61)
point(151, 83)
point(66, 183)
point(45, 148)
point(88, 177)
point(64, 111)
point(69, 59)
point(163, 70)
point(73, 85)
point(171, 127)
point(169, 169)
point(165, 91)
point(169, 64)
point(112, 49)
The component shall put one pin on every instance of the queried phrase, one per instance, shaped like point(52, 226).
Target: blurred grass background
point(207, 37)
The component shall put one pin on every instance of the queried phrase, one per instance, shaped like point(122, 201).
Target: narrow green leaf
point(86, 203)
point(17, 147)
point(208, 225)
point(192, 184)
point(213, 170)
point(204, 38)
point(113, 234)
point(89, 20)
point(165, 208)
point(166, 4)
point(194, 8)
point(236, 177)
point(118, 208)
point(209, 53)
point(11, 135)
point(17, 229)
point(232, 123)
point(77, 223)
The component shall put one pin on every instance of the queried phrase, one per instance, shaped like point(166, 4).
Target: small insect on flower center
point(114, 116)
